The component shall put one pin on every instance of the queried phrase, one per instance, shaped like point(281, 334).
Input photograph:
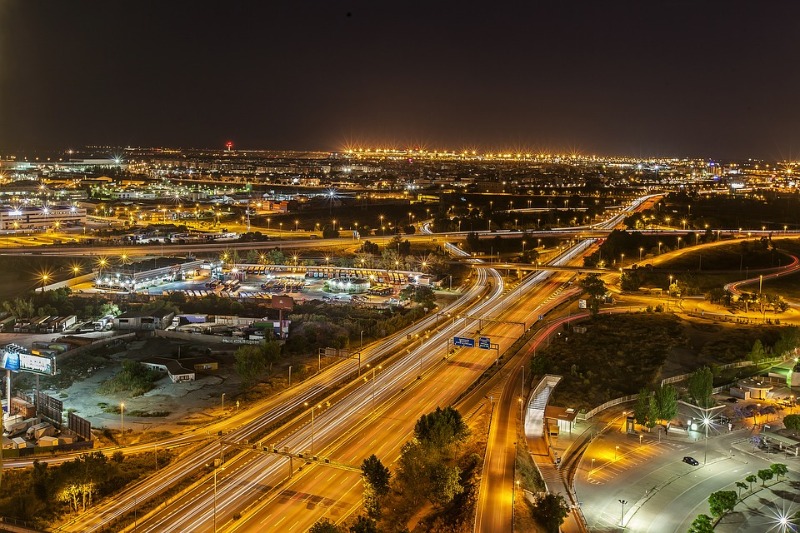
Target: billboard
point(49, 407)
point(285, 303)
point(16, 359)
point(80, 426)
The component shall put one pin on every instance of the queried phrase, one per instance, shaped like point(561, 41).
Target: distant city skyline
point(678, 79)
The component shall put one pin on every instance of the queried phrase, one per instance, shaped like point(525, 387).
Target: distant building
point(139, 321)
point(146, 273)
point(34, 217)
point(172, 367)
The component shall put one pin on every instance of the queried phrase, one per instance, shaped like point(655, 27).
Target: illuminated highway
point(396, 391)
point(399, 393)
point(253, 421)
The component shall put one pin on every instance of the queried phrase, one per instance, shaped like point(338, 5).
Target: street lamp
point(616, 450)
point(706, 422)
point(379, 367)
point(45, 277)
point(223, 402)
point(312, 423)
point(641, 249)
point(659, 248)
point(622, 515)
point(122, 423)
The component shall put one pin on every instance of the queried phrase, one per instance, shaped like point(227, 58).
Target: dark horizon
point(678, 79)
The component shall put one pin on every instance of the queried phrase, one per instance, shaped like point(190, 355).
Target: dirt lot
point(186, 404)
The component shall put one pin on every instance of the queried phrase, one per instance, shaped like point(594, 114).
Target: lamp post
point(379, 367)
point(361, 349)
point(622, 513)
point(706, 422)
point(122, 424)
point(616, 450)
point(223, 402)
point(46, 277)
point(659, 247)
point(312, 424)
point(641, 248)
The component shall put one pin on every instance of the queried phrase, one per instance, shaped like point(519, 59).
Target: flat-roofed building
point(35, 217)
point(147, 273)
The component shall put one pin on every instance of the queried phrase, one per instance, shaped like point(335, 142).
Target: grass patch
point(151, 414)
point(134, 379)
point(527, 472)
point(617, 356)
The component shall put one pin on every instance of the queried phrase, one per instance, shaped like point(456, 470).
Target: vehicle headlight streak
point(348, 412)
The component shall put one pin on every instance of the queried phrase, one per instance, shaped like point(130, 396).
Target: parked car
point(690, 461)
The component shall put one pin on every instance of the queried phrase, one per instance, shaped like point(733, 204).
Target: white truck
point(17, 426)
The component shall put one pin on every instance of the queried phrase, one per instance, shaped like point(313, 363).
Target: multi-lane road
point(253, 490)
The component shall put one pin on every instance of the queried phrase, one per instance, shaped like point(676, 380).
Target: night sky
point(643, 78)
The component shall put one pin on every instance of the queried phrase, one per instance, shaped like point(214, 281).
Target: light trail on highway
point(337, 418)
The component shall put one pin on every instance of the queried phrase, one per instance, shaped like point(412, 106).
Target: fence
point(610, 403)
point(740, 364)
point(100, 343)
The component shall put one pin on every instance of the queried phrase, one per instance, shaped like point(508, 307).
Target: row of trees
point(724, 501)
point(41, 493)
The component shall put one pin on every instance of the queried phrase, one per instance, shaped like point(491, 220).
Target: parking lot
point(329, 284)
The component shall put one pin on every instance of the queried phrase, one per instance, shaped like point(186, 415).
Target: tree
point(473, 242)
point(792, 422)
point(376, 484)
point(741, 485)
point(412, 472)
point(250, 364)
point(323, 525)
point(640, 410)
point(666, 398)
point(364, 524)
point(376, 474)
point(722, 501)
point(701, 386)
point(751, 478)
point(702, 524)
point(444, 484)
point(596, 289)
point(550, 510)
point(440, 429)
point(757, 353)
point(764, 475)
point(779, 469)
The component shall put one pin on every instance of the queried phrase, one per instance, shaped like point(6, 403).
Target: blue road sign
point(485, 343)
point(467, 342)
